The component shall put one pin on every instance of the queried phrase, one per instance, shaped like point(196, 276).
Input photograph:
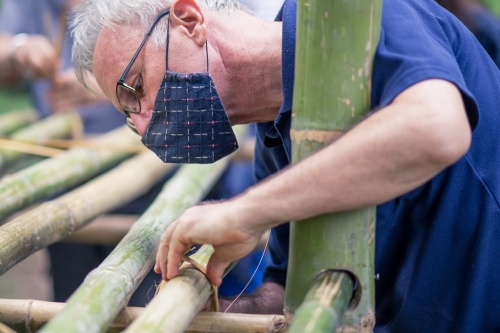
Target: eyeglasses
point(128, 94)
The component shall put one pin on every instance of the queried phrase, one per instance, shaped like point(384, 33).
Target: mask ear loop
point(168, 40)
point(206, 49)
point(167, 46)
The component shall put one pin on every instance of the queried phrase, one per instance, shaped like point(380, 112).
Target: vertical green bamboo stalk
point(56, 219)
point(16, 119)
point(55, 126)
point(59, 173)
point(107, 289)
point(336, 41)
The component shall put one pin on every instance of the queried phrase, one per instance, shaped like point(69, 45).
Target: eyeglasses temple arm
point(148, 33)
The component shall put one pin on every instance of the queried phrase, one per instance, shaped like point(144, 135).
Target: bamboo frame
point(27, 316)
point(107, 289)
point(54, 220)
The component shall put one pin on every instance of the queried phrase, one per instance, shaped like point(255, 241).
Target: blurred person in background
point(483, 24)
point(29, 33)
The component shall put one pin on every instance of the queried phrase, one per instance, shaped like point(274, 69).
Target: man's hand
point(67, 92)
point(220, 224)
point(35, 58)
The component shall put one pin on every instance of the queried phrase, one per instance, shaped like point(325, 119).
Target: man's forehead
point(113, 51)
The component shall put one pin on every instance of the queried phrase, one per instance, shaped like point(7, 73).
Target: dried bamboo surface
point(27, 316)
point(61, 172)
point(56, 219)
point(55, 126)
point(16, 119)
point(179, 300)
point(107, 289)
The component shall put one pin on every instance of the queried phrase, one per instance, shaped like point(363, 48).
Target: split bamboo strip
point(180, 299)
point(5, 329)
point(28, 316)
point(56, 219)
point(336, 41)
point(59, 173)
point(16, 119)
point(64, 144)
point(29, 148)
point(324, 305)
point(55, 126)
point(107, 289)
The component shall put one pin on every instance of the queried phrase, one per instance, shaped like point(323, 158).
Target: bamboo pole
point(104, 230)
point(107, 289)
point(55, 126)
point(59, 173)
point(180, 299)
point(28, 316)
point(56, 219)
point(110, 230)
point(336, 41)
point(16, 119)
point(324, 304)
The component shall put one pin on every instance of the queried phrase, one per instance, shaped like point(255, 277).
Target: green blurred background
point(14, 97)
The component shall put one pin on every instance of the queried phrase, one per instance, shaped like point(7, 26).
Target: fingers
point(36, 57)
point(215, 269)
point(162, 255)
point(175, 251)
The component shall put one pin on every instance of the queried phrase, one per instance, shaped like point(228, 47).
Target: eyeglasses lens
point(128, 99)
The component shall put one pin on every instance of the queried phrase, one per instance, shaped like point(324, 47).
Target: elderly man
point(427, 157)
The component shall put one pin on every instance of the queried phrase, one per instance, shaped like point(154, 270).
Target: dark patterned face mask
point(189, 123)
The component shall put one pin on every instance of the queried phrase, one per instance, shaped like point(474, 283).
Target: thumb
point(215, 269)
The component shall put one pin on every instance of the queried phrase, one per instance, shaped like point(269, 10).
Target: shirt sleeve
point(424, 44)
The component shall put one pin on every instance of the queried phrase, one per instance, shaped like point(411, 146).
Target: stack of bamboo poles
point(106, 290)
point(62, 172)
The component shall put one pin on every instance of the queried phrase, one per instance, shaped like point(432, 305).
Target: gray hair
point(91, 16)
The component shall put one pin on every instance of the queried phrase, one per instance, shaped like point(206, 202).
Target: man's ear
point(188, 16)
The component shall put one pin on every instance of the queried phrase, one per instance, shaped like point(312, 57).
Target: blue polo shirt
point(436, 247)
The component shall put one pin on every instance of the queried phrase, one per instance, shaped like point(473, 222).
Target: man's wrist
point(252, 210)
